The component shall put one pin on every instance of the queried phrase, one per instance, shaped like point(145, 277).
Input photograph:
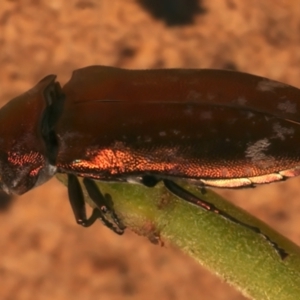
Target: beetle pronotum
point(146, 126)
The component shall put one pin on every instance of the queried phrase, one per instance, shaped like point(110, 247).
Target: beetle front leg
point(76, 199)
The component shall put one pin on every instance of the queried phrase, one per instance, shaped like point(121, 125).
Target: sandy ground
point(43, 253)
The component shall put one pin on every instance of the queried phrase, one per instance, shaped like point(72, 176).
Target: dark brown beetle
point(210, 127)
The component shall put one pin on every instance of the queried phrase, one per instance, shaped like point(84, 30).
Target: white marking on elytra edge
point(134, 180)
point(189, 110)
point(193, 95)
point(255, 151)
point(281, 132)
point(241, 100)
point(176, 132)
point(206, 115)
point(162, 133)
point(211, 96)
point(250, 115)
point(147, 139)
point(287, 106)
point(267, 85)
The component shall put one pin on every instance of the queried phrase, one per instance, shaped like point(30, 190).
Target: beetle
point(209, 127)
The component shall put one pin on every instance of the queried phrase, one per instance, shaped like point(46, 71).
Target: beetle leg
point(203, 190)
point(76, 199)
point(185, 195)
point(149, 181)
point(77, 203)
point(113, 214)
point(104, 205)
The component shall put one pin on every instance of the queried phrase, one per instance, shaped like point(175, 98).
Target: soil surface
point(43, 253)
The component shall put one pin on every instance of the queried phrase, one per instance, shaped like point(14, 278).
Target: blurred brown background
point(43, 253)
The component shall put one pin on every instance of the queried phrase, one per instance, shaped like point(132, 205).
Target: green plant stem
point(237, 254)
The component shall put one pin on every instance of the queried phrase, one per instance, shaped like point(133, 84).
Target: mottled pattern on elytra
point(219, 128)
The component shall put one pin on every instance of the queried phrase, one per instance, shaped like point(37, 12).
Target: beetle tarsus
point(104, 205)
point(112, 212)
point(118, 229)
point(78, 205)
point(87, 222)
point(185, 195)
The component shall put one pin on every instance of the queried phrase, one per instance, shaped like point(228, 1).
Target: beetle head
point(23, 150)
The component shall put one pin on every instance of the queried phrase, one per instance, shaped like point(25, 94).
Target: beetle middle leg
point(186, 195)
point(103, 205)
